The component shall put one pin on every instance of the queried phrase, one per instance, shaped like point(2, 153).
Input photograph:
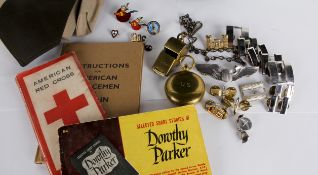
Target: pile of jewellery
point(250, 58)
point(232, 104)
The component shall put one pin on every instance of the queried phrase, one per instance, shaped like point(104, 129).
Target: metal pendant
point(243, 124)
point(153, 27)
point(216, 110)
point(185, 87)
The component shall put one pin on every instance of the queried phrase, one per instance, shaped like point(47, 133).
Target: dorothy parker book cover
point(56, 94)
point(163, 142)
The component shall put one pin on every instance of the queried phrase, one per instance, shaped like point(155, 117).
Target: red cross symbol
point(65, 108)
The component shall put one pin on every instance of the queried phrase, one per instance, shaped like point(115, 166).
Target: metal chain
point(191, 28)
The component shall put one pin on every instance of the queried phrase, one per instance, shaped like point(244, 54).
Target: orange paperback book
point(57, 93)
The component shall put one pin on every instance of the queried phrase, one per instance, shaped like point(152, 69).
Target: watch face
point(153, 27)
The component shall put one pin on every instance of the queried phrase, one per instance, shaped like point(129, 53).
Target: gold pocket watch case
point(185, 87)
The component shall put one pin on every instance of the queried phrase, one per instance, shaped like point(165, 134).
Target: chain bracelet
point(191, 27)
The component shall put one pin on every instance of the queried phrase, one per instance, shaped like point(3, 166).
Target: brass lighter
point(170, 56)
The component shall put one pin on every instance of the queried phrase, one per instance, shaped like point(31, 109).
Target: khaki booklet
point(114, 71)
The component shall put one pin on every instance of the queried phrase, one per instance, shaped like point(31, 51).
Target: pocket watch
point(185, 87)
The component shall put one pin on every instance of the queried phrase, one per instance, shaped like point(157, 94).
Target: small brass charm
point(39, 159)
point(228, 102)
point(230, 92)
point(220, 92)
point(244, 105)
point(216, 44)
point(216, 91)
point(216, 110)
point(137, 37)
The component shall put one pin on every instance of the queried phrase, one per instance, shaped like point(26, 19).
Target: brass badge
point(216, 44)
point(216, 110)
point(185, 87)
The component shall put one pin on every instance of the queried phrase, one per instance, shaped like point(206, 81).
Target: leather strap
point(1, 2)
point(71, 22)
point(86, 20)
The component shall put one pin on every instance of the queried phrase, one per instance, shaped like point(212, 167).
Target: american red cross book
point(56, 94)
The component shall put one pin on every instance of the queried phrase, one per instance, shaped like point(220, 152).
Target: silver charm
point(243, 124)
point(252, 56)
point(282, 77)
point(114, 33)
point(280, 97)
point(226, 75)
point(244, 136)
point(253, 91)
point(278, 71)
point(264, 57)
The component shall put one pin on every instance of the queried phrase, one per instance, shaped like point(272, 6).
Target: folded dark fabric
point(31, 28)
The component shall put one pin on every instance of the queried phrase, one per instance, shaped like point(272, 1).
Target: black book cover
point(100, 157)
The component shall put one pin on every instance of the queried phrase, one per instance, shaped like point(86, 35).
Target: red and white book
point(56, 94)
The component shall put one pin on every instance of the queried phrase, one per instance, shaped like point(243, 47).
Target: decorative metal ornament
point(280, 97)
point(137, 23)
point(253, 91)
point(217, 44)
point(192, 27)
point(153, 27)
point(220, 92)
point(137, 37)
point(216, 110)
point(244, 136)
point(216, 91)
point(229, 102)
point(114, 33)
point(123, 14)
point(226, 75)
point(185, 87)
point(278, 71)
point(244, 105)
point(243, 124)
point(264, 58)
point(140, 38)
point(229, 92)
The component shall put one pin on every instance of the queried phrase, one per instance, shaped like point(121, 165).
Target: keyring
point(186, 66)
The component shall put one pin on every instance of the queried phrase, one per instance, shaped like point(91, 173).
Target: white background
point(278, 144)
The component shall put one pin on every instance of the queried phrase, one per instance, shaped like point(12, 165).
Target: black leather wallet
point(31, 28)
